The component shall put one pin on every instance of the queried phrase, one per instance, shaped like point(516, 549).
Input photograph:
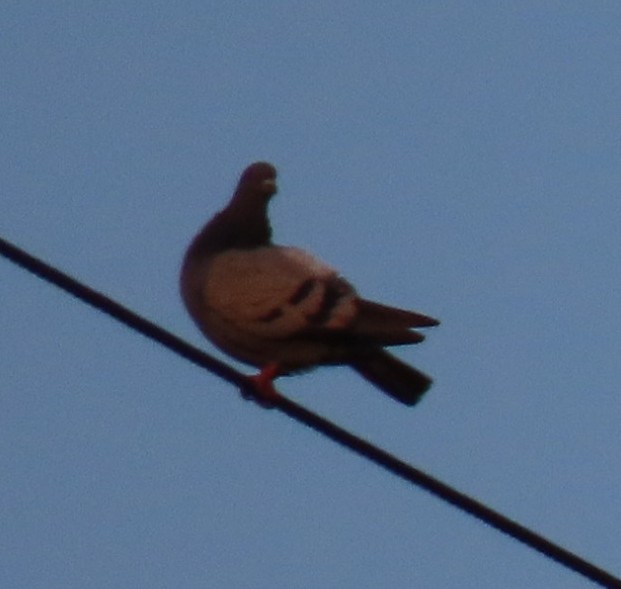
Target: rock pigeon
point(282, 310)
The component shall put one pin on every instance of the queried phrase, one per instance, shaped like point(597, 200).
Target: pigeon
point(284, 311)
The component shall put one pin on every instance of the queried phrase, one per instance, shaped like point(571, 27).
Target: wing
point(376, 313)
point(283, 292)
point(278, 292)
point(389, 326)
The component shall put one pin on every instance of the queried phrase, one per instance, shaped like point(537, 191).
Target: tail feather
point(397, 379)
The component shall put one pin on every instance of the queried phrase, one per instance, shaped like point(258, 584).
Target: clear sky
point(461, 159)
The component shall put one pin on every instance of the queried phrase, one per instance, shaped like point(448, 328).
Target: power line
point(310, 419)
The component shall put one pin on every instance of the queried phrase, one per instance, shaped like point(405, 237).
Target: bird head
point(259, 178)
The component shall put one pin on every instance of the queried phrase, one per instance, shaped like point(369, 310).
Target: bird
point(283, 311)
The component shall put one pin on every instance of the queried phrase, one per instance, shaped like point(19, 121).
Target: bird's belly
point(293, 355)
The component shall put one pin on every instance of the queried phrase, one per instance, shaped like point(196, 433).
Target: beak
point(269, 186)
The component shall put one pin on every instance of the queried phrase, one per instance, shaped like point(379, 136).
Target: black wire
point(312, 420)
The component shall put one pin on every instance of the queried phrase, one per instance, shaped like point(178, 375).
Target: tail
point(395, 378)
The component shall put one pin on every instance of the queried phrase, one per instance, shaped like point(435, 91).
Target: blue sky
point(461, 159)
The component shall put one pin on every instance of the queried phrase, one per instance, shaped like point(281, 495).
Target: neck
point(235, 228)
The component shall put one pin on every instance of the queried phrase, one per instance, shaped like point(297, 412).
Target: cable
point(312, 420)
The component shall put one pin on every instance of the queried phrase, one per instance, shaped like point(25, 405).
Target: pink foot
point(264, 386)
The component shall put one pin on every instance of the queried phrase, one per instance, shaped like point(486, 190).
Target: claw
point(265, 393)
